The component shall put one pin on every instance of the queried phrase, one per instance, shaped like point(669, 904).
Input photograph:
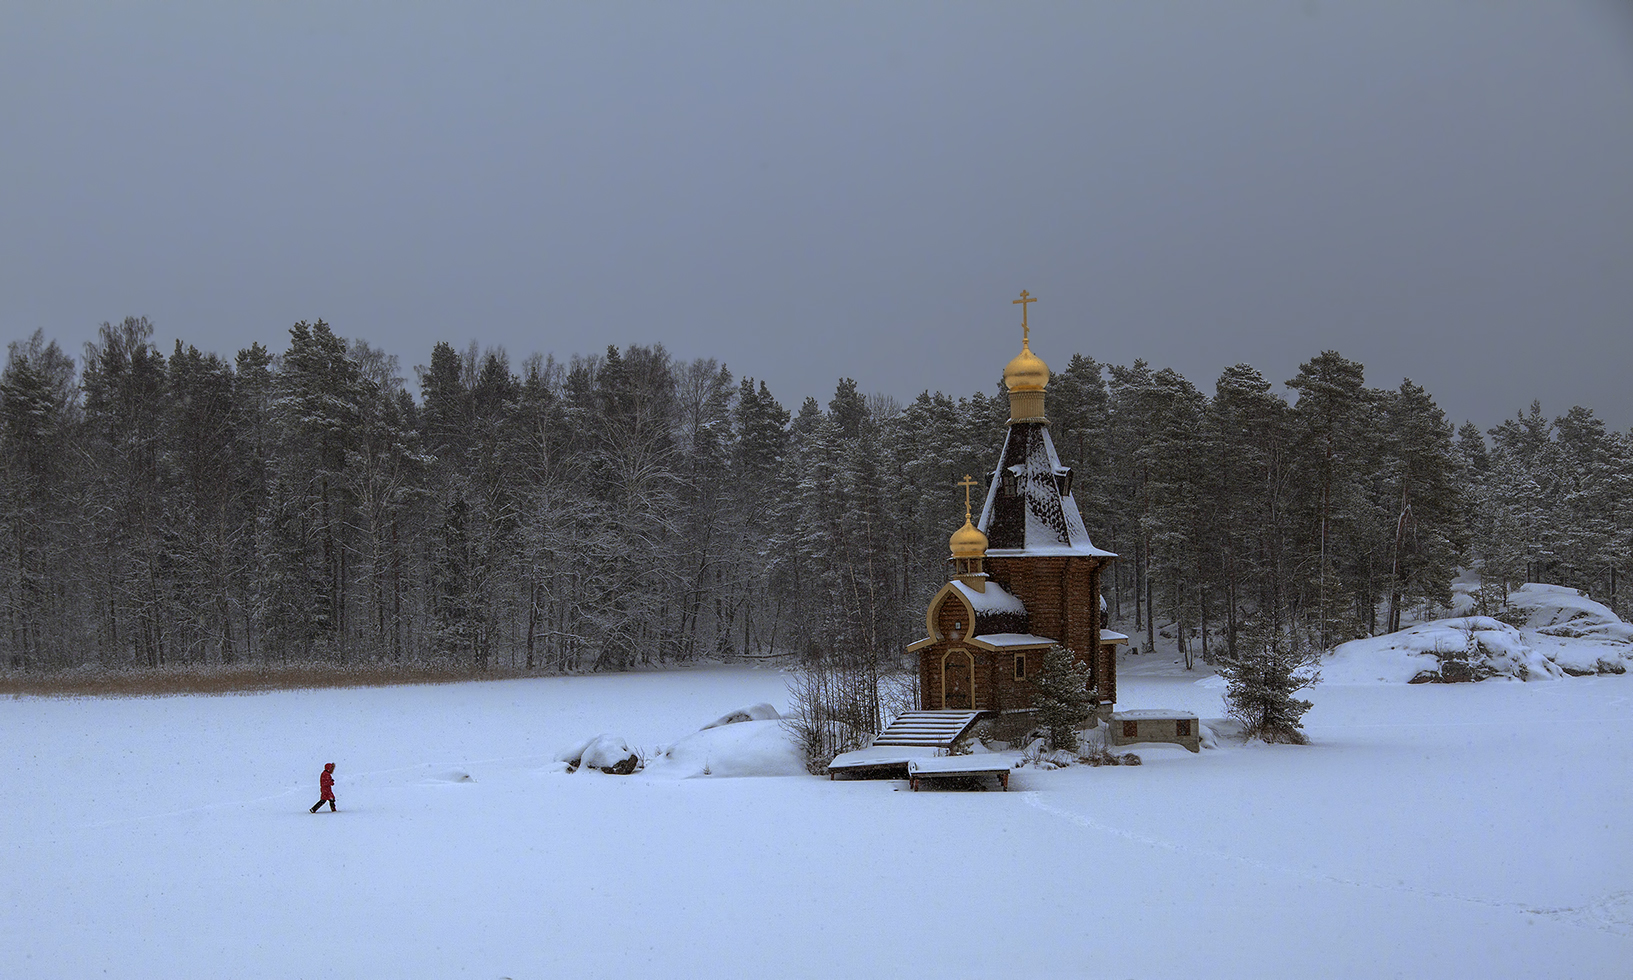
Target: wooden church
point(1025, 575)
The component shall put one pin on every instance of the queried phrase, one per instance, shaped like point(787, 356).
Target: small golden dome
point(1026, 372)
point(968, 541)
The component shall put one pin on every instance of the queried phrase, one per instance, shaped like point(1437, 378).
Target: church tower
point(1025, 576)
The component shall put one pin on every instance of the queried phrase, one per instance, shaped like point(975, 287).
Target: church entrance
point(957, 680)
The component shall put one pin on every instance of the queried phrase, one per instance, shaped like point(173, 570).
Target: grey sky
point(1440, 190)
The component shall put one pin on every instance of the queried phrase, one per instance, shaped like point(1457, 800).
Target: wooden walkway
point(960, 767)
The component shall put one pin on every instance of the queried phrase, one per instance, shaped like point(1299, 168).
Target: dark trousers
point(319, 803)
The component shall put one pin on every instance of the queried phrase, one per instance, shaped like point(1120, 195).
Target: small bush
point(1010, 728)
point(1091, 749)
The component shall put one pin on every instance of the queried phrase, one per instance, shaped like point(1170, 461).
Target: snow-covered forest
point(183, 508)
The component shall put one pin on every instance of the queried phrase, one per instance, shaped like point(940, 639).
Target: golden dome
point(1026, 372)
point(968, 541)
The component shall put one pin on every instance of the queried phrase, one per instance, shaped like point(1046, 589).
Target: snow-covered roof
point(1111, 636)
point(1040, 518)
point(1010, 641)
point(1139, 714)
point(994, 601)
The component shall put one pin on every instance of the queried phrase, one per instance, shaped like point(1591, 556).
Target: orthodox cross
point(1025, 299)
point(967, 483)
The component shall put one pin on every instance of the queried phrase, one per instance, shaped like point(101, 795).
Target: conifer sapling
point(1061, 697)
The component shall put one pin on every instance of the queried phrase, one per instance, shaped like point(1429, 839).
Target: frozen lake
point(1430, 831)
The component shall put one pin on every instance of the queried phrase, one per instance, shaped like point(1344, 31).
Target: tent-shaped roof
point(1038, 516)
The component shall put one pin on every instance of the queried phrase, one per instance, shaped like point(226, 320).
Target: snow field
point(1429, 831)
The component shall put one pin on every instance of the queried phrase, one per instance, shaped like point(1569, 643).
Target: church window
point(1063, 481)
point(1020, 666)
point(1010, 481)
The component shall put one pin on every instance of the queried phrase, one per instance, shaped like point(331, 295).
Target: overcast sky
point(1439, 190)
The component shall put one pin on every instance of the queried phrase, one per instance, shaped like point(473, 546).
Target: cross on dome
point(1025, 299)
point(1026, 373)
point(967, 483)
point(968, 543)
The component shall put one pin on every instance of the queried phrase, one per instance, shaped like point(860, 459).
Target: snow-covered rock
point(1546, 631)
point(608, 753)
point(1551, 607)
point(1468, 648)
point(760, 747)
point(1580, 635)
point(754, 712)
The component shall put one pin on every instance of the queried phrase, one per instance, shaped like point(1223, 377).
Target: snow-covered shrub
point(1038, 755)
point(1260, 682)
point(1009, 728)
point(1094, 748)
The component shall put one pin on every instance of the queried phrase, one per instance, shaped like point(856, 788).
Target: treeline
point(630, 509)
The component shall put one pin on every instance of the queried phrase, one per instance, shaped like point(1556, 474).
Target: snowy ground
point(1469, 830)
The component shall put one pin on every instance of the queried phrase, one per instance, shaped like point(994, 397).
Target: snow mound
point(450, 776)
point(1468, 648)
point(604, 752)
point(754, 712)
point(761, 747)
point(1544, 631)
point(1555, 610)
point(1579, 634)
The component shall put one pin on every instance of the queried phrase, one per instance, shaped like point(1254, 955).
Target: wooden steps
point(928, 729)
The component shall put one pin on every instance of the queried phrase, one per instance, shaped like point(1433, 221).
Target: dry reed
point(171, 681)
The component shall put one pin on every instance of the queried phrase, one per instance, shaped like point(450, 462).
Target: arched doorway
point(957, 679)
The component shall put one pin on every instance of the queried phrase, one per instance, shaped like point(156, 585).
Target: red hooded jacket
point(327, 781)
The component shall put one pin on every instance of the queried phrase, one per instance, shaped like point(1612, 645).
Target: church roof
point(995, 611)
point(994, 601)
point(1011, 641)
point(1029, 509)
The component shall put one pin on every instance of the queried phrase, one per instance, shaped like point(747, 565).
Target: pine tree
point(1335, 434)
point(1248, 479)
point(454, 603)
point(1261, 681)
point(1130, 426)
point(1586, 462)
point(1422, 472)
point(319, 411)
point(203, 508)
point(390, 481)
point(39, 412)
point(1061, 697)
point(1170, 521)
point(125, 381)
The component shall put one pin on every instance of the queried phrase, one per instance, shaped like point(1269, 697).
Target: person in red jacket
point(327, 782)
